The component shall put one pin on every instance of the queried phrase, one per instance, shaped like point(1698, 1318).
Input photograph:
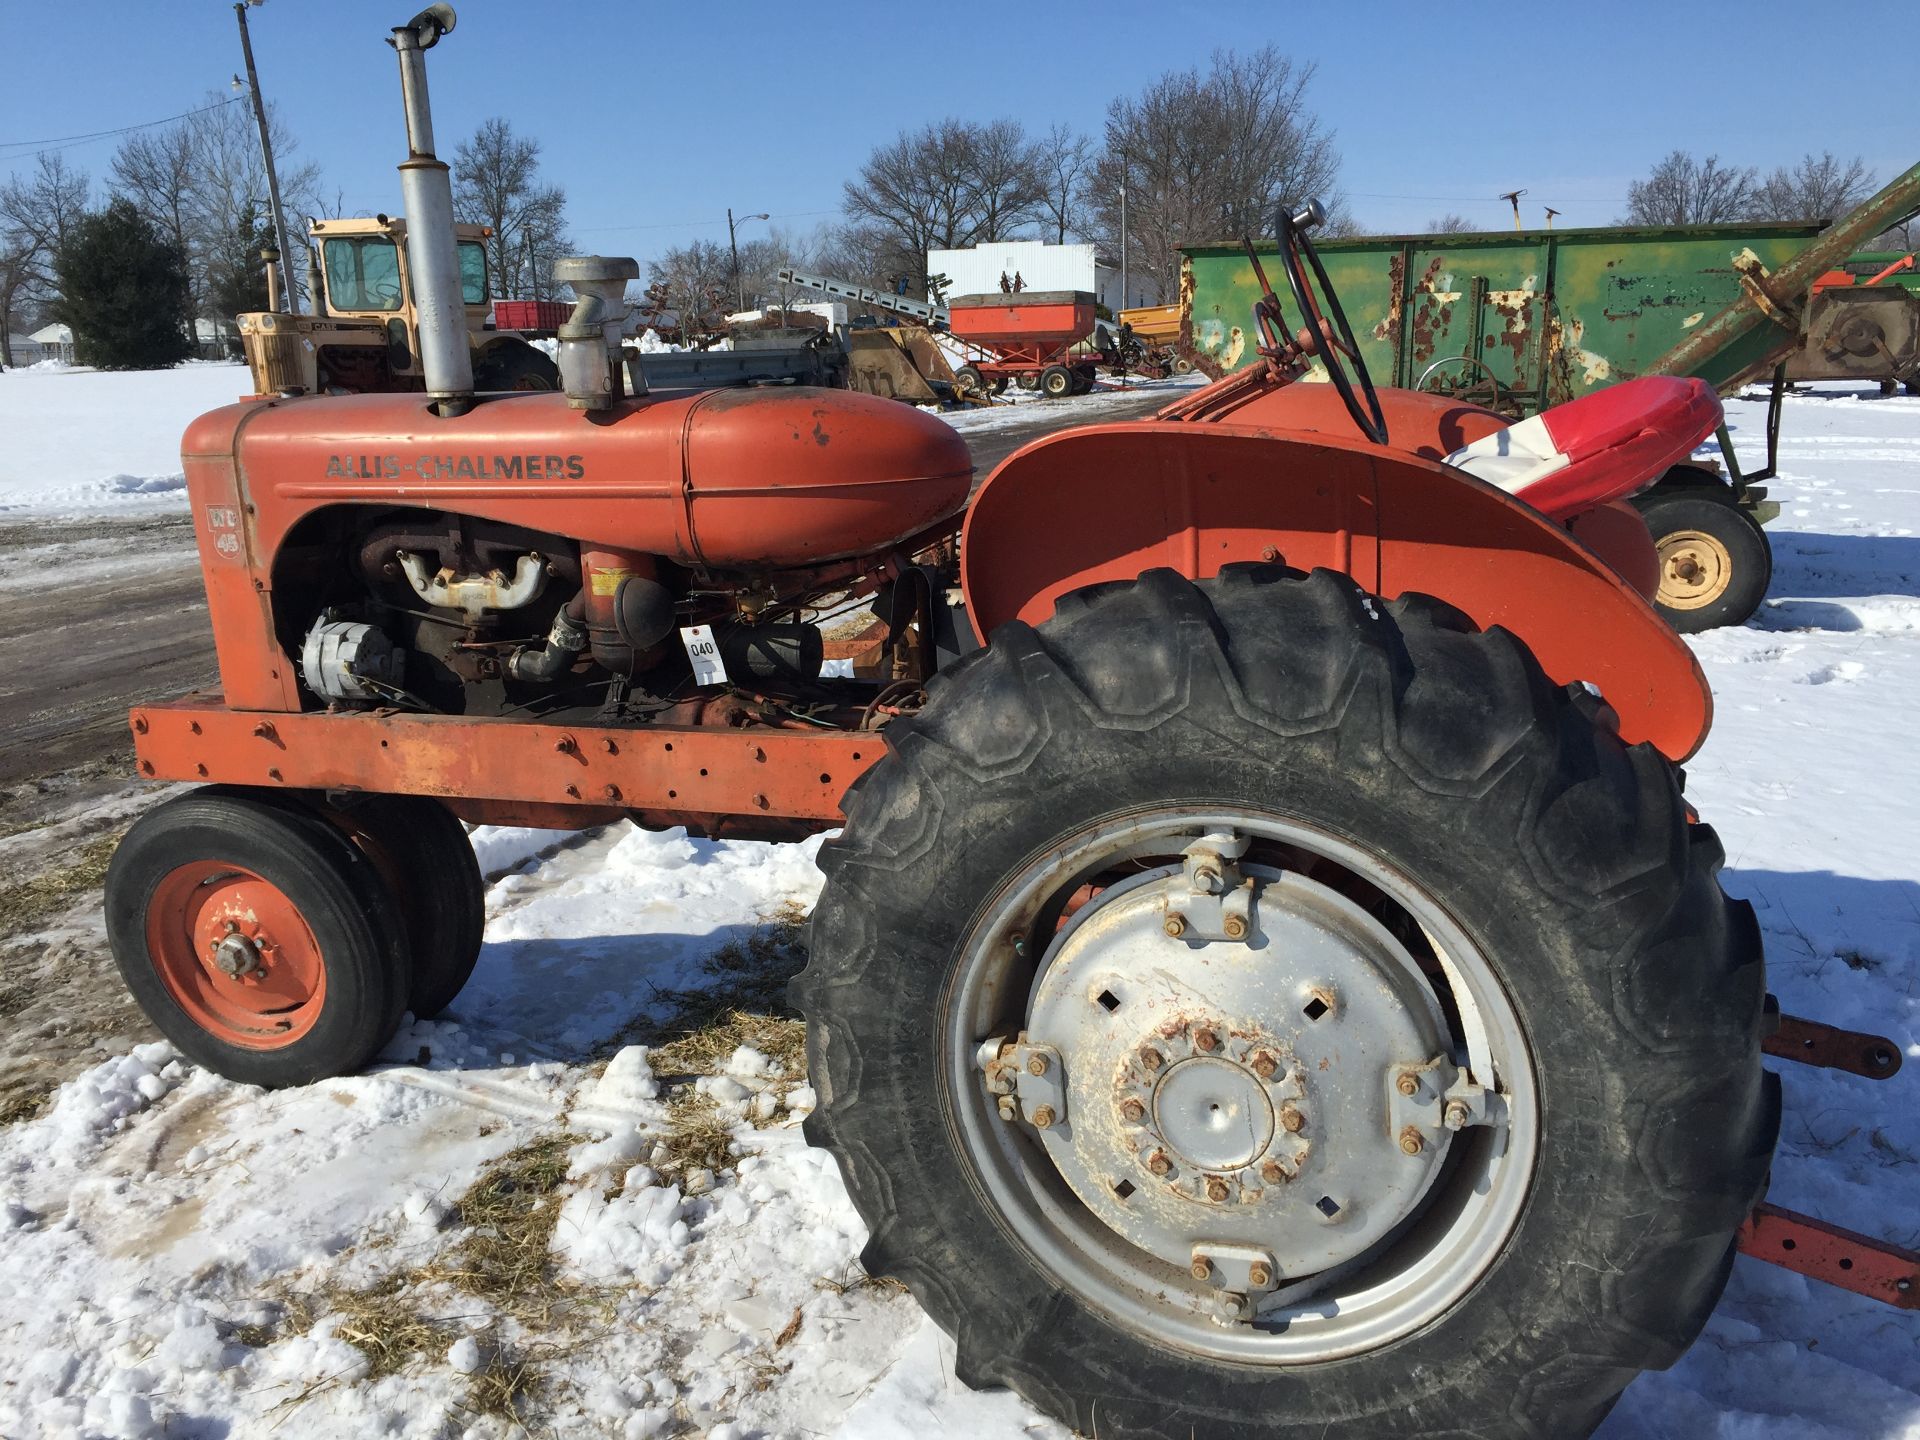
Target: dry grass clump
point(506, 1386)
point(25, 1098)
point(385, 1323)
point(27, 902)
point(746, 1004)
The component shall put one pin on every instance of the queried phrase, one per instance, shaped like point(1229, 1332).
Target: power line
point(693, 224)
point(61, 142)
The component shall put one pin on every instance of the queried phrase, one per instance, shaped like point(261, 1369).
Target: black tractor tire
point(1565, 854)
point(969, 380)
point(514, 365)
point(423, 851)
point(351, 920)
point(1027, 380)
point(1715, 559)
point(1056, 382)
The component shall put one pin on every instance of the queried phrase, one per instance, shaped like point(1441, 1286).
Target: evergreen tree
point(124, 291)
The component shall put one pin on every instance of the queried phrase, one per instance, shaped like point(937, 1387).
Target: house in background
point(55, 342)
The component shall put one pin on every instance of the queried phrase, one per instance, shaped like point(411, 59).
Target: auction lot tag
point(704, 653)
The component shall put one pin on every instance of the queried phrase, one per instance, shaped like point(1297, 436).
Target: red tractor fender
point(1108, 502)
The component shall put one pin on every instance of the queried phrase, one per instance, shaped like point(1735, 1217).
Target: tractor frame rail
point(1877, 1269)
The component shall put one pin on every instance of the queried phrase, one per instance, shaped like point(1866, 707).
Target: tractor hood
point(722, 479)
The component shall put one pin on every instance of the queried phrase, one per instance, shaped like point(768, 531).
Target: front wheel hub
point(1237, 1092)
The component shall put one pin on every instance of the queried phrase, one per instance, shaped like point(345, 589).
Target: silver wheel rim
point(1443, 1218)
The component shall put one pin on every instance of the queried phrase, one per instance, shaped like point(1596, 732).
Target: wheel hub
point(1695, 569)
point(1235, 1092)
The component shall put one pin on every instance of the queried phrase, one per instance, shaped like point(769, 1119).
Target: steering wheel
point(1327, 341)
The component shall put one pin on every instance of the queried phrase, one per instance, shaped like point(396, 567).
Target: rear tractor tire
point(514, 365)
point(257, 937)
point(1255, 1010)
point(1056, 382)
point(1715, 559)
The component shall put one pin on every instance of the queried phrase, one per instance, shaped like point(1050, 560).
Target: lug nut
point(1152, 1058)
point(1258, 1274)
point(1036, 1064)
point(1264, 1065)
point(1133, 1112)
point(564, 745)
point(1234, 927)
point(1158, 1162)
point(1007, 1112)
point(1042, 1117)
point(1291, 1120)
point(1458, 1115)
point(1408, 1083)
point(1176, 926)
point(1216, 1190)
point(1205, 1039)
point(1202, 1268)
point(1272, 1173)
point(1411, 1142)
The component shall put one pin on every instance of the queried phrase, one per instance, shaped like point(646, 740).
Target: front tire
point(257, 938)
point(1056, 382)
point(1715, 559)
point(1386, 764)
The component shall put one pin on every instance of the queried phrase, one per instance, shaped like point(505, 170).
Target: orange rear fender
point(1108, 502)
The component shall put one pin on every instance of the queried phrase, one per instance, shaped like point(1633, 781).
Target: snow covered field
point(184, 1257)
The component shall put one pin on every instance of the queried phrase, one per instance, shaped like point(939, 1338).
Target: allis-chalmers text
point(456, 467)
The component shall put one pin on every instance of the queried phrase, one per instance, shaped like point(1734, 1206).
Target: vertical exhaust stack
point(590, 340)
point(433, 257)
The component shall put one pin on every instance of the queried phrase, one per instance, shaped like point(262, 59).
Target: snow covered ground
point(180, 1256)
point(87, 442)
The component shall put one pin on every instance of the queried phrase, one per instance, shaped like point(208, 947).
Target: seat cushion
point(1603, 446)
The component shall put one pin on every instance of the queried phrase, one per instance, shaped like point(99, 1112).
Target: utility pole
point(266, 154)
point(1512, 197)
point(1123, 231)
point(739, 281)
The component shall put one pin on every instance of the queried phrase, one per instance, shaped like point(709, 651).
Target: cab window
point(473, 273)
point(363, 273)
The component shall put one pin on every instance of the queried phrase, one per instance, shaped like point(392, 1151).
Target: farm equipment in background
point(1269, 983)
point(1863, 323)
point(1026, 338)
point(364, 333)
point(902, 360)
point(1519, 322)
point(1149, 342)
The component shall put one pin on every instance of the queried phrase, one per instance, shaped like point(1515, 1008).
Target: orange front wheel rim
point(236, 955)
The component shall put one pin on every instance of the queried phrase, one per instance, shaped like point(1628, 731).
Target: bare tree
point(948, 186)
point(695, 282)
point(1820, 187)
point(1206, 155)
point(1063, 161)
point(37, 214)
point(157, 171)
point(496, 182)
point(1449, 224)
point(1685, 191)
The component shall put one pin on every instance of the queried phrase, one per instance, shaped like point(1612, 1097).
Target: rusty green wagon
point(1520, 321)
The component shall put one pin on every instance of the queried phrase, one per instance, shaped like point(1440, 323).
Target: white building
point(1036, 264)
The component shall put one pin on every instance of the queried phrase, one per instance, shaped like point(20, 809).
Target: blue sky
point(656, 118)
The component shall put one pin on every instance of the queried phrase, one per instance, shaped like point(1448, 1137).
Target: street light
point(266, 151)
point(739, 283)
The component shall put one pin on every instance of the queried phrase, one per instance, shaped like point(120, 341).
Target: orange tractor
point(1268, 982)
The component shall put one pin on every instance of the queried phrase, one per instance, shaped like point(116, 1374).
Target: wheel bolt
point(1411, 1142)
point(1272, 1173)
point(1291, 1120)
point(1158, 1162)
point(1216, 1190)
point(1408, 1083)
point(1458, 1115)
point(1259, 1275)
point(1205, 1039)
point(1152, 1058)
point(1202, 1269)
point(1133, 1112)
point(1234, 927)
point(1264, 1065)
point(1042, 1117)
point(1176, 926)
point(1036, 1064)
